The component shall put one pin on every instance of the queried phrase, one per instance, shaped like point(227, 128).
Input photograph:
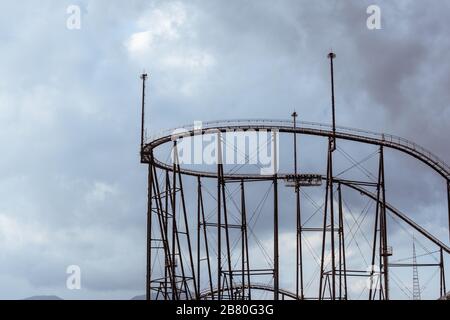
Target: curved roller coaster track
point(303, 127)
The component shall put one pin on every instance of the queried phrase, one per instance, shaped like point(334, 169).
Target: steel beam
point(443, 289)
point(149, 232)
point(448, 206)
point(299, 255)
point(276, 267)
point(342, 259)
point(245, 239)
point(383, 229)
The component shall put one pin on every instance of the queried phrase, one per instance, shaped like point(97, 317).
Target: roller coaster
point(195, 252)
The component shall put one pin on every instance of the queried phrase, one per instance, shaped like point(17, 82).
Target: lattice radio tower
point(416, 285)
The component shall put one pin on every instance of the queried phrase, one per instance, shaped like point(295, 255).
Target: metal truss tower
point(416, 284)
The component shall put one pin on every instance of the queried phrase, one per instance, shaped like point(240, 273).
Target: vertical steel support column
point(227, 236)
point(174, 226)
point(324, 226)
point(331, 56)
point(275, 239)
point(342, 260)
point(333, 257)
point(333, 251)
point(383, 226)
point(275, 220)
point(149, 193)
point(382, 293)
point(299, 268)
point(149, 230)
point(443, 288)
point(243, 223)
point(329, 193)
point(299, 255)
point(245, 238)
point(442, 257)
point(167, 264)
point(198, 232)
point(219, 220)
point(375, 233)
point(448, 206)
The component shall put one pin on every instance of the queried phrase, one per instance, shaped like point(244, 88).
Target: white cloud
point(15, 233)
point(161, 25)
point(167, 41)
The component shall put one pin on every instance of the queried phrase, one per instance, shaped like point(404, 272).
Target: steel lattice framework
point(178, 234)
point(179, 280)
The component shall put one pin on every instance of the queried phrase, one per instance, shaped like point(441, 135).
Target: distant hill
point(142, 296)
point(44, 298)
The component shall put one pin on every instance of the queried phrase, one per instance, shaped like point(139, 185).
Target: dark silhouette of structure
point(205, 255)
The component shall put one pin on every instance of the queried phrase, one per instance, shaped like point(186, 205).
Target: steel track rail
point(305, 128)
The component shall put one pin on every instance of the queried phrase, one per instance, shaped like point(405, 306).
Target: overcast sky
point(72, 190)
